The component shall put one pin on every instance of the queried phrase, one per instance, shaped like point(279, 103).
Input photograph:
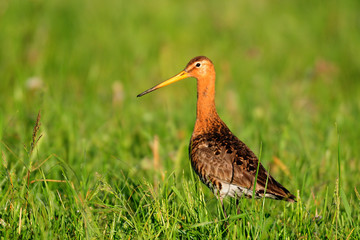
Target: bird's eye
point(198, 64)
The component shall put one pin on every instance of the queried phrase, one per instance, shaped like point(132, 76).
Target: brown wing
point(226, 159)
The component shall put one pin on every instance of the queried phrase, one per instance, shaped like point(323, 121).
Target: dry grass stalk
point(35, 140)
point(20, 217)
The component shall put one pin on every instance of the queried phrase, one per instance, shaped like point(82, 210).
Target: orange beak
point(178, 77)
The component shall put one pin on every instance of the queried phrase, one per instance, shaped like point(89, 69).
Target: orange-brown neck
point(206, 115)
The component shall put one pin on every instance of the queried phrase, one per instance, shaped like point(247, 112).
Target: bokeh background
point(287, 85)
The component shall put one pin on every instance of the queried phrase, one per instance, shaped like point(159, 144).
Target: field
point(83, 158)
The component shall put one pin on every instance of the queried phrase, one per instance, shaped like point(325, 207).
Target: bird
point(225, 164)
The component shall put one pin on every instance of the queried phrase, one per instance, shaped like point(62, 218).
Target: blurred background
point(287, 85)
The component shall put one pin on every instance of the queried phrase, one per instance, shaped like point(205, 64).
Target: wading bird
point(222, 162)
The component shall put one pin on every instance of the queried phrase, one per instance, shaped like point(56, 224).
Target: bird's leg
point(238, 210)
point(223, 207)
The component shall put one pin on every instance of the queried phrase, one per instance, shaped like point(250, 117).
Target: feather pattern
point(228, 167)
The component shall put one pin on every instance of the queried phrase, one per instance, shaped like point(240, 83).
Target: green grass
point(288, 85)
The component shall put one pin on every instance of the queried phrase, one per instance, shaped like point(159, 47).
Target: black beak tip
point(141, 94)
point(145, 92)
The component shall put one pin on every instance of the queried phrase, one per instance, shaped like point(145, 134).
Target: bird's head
point(198, 67)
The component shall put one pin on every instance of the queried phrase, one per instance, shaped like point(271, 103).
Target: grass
point(99, 163)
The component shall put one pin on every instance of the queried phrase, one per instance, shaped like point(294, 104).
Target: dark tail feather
point(280, 192)
point(290, 198)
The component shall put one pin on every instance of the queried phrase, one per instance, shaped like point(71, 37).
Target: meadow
point(83, 158)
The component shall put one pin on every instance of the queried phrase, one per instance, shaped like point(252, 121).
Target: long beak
point(175, 78)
